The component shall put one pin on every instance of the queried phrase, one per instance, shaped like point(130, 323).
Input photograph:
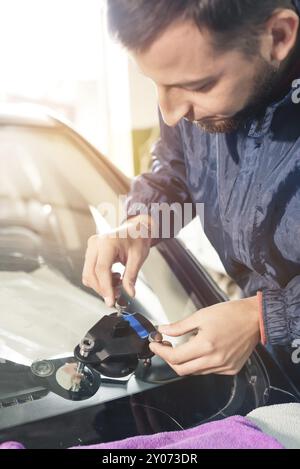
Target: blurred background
point(58, 54)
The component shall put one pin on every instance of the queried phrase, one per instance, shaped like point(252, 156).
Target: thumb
point(180, 327)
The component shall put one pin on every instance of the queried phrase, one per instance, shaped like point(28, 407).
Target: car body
point(56, 191)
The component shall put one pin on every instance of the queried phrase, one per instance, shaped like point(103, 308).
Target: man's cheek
point(296, 92)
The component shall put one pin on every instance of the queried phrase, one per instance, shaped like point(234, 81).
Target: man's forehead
point(182, 53)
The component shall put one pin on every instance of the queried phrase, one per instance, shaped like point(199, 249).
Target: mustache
point(205, 120)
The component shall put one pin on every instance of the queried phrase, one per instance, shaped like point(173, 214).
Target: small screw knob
point(86, 345)
point(121, 305)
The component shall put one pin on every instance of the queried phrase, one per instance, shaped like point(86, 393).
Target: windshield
point(51, 188)
point(54, 194)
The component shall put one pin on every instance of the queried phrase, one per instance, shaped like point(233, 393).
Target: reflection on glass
point(49, 188)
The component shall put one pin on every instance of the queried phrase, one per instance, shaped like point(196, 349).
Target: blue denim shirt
point(249, 181)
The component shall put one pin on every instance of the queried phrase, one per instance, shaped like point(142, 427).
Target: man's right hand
point(121, 245)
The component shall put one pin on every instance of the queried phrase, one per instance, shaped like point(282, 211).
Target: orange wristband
point(261, 318)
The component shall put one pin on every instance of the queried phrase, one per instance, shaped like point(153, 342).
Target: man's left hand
point(225, 336)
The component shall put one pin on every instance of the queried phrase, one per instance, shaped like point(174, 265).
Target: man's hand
point(226, 335)
point(129, 244)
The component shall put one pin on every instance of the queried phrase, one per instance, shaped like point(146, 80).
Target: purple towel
point(11, 445)
point(231, 433)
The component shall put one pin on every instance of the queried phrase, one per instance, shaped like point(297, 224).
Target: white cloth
point(280, 421)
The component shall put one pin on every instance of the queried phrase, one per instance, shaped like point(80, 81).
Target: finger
point(93, 283)
point(103, 273)
point(134, 263)
point(199, 366)
point(186, 352)
point(179, 328)
point(180, 354)
point(216, 371)
point(89, 278)
point(204, 366)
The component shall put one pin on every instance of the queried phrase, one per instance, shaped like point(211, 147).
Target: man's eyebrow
point(190, 84)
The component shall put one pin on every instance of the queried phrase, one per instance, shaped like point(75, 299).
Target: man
point(227, 75)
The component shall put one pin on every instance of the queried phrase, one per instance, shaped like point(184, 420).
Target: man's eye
point(204, 88)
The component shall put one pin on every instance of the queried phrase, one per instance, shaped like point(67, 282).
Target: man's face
point(195, 81)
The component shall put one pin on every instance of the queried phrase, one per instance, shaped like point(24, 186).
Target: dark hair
point(235, 23)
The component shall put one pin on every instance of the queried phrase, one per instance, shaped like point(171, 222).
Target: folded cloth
point(11, 445)
point(232, 433)
point(279, 421)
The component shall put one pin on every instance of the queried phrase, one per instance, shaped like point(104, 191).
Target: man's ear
point(282, 30)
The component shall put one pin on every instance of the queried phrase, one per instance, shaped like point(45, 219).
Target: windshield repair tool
point(121, 306)
point(64, 377)
point(120, 341)
point(86, 345)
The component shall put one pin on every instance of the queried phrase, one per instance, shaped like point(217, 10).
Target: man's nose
point(173, 105)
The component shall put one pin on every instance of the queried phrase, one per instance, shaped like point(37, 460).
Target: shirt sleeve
point(166, 183)
point(281, 313)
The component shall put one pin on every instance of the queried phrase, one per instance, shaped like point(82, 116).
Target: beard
point(265, 82)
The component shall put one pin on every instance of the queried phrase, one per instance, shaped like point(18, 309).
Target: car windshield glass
point(53, 194)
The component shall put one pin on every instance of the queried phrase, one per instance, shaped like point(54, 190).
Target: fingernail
point(155, 336)
point(166, 343)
